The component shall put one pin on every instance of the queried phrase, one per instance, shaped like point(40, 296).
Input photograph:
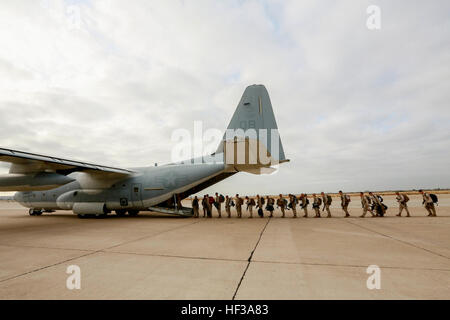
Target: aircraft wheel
point(133, 213)
point(81, 216)
point(33, 212)
point(101, 215)
point(121, 212)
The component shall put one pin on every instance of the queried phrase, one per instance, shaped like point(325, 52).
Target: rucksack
point(434, 197)
point(406, 198)
point(221, 198)
point(329, 199)
point(260, 212)
point(252, 202)
point(263, 201)
point(211, 200)
point(319, 200)
point(380, 198)
point(232, 203)
point(348, 199)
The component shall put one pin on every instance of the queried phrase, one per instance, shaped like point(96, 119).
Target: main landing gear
point(34, 212)
point(119, 213)
point(96, 216)
point(123, 212)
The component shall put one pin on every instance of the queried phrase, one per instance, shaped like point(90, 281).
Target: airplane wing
point(26, 163)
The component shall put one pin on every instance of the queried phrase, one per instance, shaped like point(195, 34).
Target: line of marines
point(371, 203)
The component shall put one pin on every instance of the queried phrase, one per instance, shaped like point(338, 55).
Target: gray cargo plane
point(44, 183)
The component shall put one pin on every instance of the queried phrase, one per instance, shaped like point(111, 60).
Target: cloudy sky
point(109, 81)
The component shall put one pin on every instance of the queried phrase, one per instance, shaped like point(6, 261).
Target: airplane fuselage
point(148, 187)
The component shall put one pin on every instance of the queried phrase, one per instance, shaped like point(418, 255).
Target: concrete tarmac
point(154, 256)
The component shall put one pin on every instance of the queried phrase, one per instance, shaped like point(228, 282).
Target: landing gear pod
point(90, 208)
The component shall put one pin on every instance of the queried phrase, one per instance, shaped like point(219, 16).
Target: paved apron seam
point(399, 240)
point(91, 253)
point(250, 259)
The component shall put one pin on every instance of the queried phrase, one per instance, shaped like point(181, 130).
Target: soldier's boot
point(346, 212)
point(407, 212)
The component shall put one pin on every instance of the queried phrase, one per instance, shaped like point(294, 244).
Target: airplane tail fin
point(252, 142)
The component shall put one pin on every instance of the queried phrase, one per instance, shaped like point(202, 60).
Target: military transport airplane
point(46, 183)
